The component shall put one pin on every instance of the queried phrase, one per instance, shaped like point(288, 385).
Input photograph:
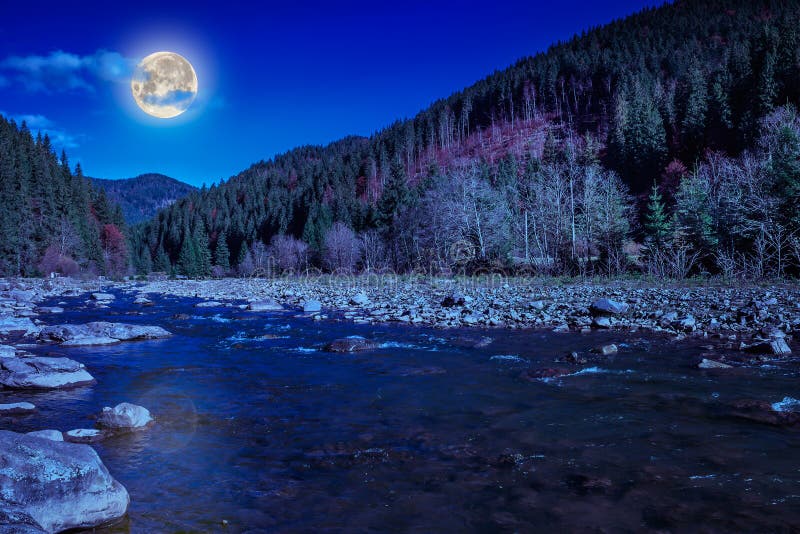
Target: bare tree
point(375, 256)
point(288, 254)
point(341, 249)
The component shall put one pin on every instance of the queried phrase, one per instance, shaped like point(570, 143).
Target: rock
point(539, 374)
point(17, 408)
point(608, 307)
point(83, 435)
point(778, 414)
point(52, 435)
point(42, 372)
point(264, 305)
point(103, 297)
point(7, 351)
point(601, 322)
point(607, 350)
point(312, 306)
point(209, 304)
point(55, 486)
point(351, 344)
point(713, 364)
point(777, 346)
point(125, 416)
point(143, 301)
point(100, 333)
point(359, 300)
point(454, 299)
point(89, 341)
point(537, 304)
point(181, 317)
point(49, 309)
point(17, 325)
point(688, 324)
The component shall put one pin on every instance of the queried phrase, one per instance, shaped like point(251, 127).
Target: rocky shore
point(48, 484)
point(747, 317)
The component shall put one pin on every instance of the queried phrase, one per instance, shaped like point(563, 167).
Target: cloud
point(63, 71)
point(59, 138)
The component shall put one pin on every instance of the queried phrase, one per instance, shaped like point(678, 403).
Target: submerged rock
point(83, 435)
point(351, 344)
point(42, 372)
point(713, 364)
point(125, 416)
point(55, 486)
point(543, 373)
point(607, 350)
point(16, 408)
point(209, 304)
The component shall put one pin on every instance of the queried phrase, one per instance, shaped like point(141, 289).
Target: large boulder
point(55, 486)
point(124, 416)
point(52, 435)
point(608, 307)
point(17, 325)
point(103, 297)
point(100, 333)
point(264, 305)
point(42, 372)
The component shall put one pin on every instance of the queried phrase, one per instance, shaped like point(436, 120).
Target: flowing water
point(258, 429)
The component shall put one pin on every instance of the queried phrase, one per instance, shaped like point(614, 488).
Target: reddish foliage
point(115, 250)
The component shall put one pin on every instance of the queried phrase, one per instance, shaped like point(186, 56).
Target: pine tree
point(694, 119)
point(222, 255)
point(657, 223)
point(161, 262)
point(785, 169)
point(187, 258)
point(202, 251)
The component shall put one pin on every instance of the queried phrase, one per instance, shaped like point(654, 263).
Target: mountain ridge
point(140, 197)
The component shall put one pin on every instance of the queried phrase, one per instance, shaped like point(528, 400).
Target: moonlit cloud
point(59, 138)
point(63, 71)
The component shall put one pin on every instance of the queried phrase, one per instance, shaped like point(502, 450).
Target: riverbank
point(740, 313)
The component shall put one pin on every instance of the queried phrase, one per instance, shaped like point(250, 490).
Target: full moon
point(164, 84)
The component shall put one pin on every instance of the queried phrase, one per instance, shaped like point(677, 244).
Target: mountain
point(141, 197)
point(545, 165)
point(53, 220)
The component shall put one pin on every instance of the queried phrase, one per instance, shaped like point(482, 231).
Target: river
point(258, 429)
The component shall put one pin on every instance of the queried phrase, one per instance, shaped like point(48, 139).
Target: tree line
point(53, 220)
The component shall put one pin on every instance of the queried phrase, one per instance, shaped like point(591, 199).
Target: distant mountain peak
point(142, 196)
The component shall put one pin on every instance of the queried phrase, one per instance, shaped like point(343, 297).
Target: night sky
point(271, 76)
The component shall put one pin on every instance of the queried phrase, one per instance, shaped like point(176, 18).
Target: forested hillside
point(543, 166)
point(141, 197)
point(52, 219)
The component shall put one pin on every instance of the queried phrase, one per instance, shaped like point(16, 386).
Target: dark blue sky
point(271, 76)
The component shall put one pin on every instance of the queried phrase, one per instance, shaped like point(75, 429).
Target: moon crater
point(164, 84)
